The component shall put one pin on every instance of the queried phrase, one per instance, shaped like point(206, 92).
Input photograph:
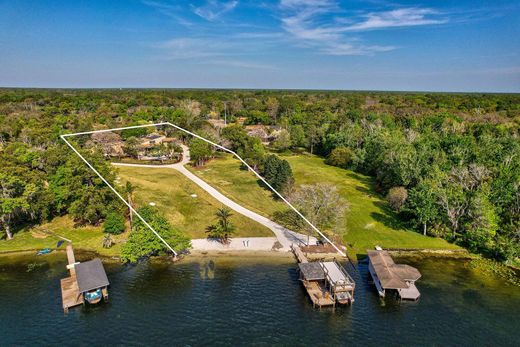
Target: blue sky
point(303, 44)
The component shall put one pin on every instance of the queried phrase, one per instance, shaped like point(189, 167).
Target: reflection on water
point(233, 301)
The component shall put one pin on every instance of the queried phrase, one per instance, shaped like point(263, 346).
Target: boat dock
point(388, 275)
point(85, 278)
point(325, 282)
point(70, 294)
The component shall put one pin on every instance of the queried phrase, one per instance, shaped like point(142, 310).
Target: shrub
point(341, 157)
point(114, 223)
point(396, 197)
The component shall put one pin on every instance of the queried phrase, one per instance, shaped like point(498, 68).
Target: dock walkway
point(70, 294)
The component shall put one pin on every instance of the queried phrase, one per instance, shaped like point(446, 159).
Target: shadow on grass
point(368, 185)
point(388, 220)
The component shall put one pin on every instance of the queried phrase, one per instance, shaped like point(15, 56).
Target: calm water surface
point(222, 301)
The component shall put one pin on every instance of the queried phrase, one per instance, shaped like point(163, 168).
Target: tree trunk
point(131, 215)
point(8, 231)
point(424, 229)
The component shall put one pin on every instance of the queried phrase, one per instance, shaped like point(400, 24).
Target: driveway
point(285, 236)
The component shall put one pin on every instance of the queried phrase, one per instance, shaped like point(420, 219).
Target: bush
point(341, 157)
point(397, 197)
point(114, 223)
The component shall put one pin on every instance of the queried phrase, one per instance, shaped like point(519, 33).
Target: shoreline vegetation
point(476, 263)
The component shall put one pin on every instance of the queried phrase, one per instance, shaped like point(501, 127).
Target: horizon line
point(270, 89)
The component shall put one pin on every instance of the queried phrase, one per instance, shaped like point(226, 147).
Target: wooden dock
point(299, 254)
point(319, 295)
point(325, 282)
point(70, 294)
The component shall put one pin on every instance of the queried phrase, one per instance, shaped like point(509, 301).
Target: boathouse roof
point(91, 275)
point(312, 271)
point(390, 274)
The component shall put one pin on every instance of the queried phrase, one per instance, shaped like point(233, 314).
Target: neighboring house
point(266, 134)
point(259, 131)
point(111, 143)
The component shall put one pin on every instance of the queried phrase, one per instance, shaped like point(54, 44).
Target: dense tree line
point(449, 163)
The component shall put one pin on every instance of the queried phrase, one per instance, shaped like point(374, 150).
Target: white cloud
point(402, 17)
point(214, 9)
point(169, 11)
point(315, 24)
point(354, 49)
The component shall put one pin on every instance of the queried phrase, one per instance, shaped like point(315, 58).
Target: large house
point(265, 133)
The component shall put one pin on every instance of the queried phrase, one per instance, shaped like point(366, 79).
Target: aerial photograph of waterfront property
point(259, 173)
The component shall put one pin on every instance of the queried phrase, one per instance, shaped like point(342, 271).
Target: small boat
point(44, 251)
point(93, 297)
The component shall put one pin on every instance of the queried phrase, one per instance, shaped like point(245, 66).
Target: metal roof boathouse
point(91, 276)
point(389, 275)
point(88, 282)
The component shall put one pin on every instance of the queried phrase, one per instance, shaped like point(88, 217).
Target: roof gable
point(91, 275)
point(390, 274)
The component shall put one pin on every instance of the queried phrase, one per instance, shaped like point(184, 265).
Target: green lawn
point(86, 238)
point(225, 175)
point(172, 194)
point(169, 189)
point(368, 222)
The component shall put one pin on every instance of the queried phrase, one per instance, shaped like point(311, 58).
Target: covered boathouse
point(92, 280)
point(327, 283)
point(388, 275)
point(87, 282)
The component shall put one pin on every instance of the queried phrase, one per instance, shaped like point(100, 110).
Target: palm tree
point(129, 190)
point(223, 229)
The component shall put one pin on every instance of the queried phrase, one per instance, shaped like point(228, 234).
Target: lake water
point(256, 301)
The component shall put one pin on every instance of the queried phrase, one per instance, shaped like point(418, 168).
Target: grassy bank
point(368, 222)
point(171, 192)
point(188, 207)
point(87, 238)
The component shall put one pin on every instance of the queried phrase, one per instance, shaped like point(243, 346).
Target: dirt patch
point(39, 235)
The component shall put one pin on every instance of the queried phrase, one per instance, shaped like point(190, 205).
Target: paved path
point(285, 236)
point(236, 244)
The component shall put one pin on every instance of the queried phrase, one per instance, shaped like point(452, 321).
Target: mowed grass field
point(173, 195)
point(86, 238)
point(369, 221)
point(242, 186)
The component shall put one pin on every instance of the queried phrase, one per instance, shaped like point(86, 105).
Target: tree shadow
point(387, 216)
point(387, 220)
point(368, 186)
